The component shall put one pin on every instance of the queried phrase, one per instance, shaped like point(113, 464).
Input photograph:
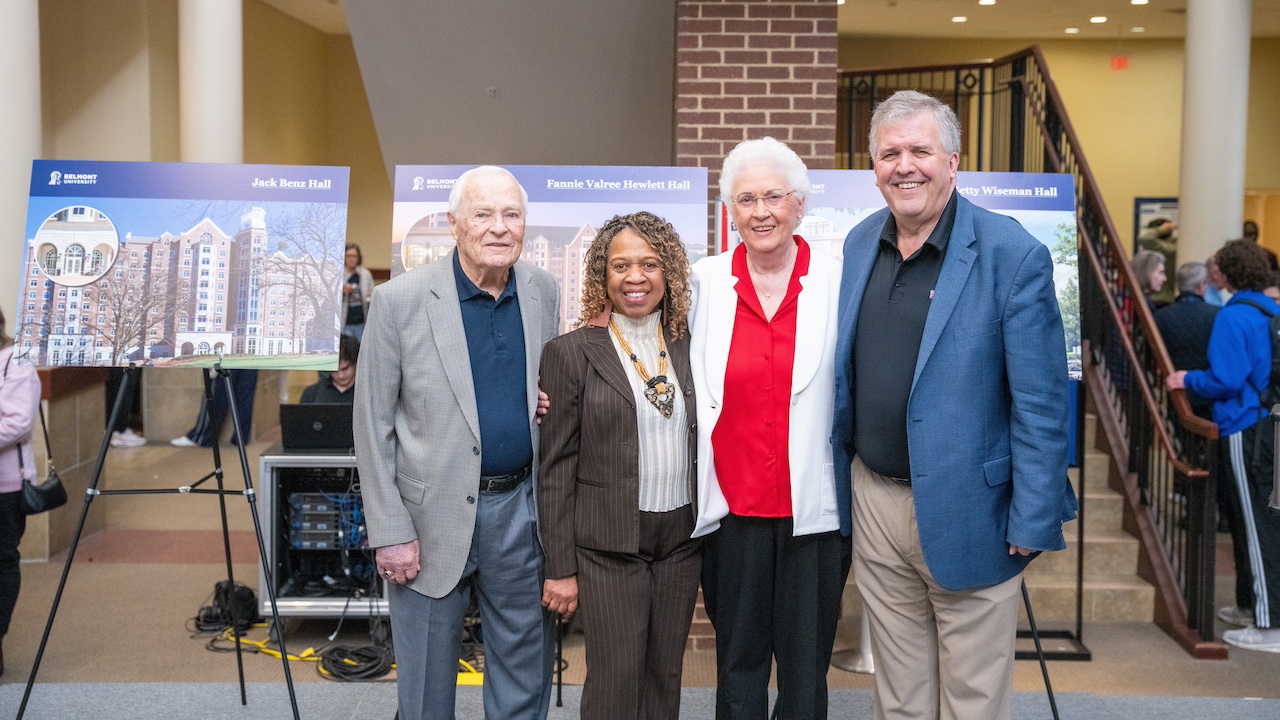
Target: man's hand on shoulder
point(398, 563)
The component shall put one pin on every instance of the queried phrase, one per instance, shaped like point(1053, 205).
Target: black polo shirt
point(495, 342)
point(891, 321)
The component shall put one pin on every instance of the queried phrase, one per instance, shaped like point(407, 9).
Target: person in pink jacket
point(19, 400)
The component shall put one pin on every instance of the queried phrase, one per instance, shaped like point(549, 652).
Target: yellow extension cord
point(468, 675)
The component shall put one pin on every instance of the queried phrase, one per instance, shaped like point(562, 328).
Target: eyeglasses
point(772, 200)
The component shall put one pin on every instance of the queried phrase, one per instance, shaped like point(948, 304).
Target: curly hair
point(675, 269)
point(1245, 264)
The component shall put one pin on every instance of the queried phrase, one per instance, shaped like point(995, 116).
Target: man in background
point(338, 386)
point(1185, 325)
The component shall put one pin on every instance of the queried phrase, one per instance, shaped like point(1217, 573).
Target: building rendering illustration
point(88, 299)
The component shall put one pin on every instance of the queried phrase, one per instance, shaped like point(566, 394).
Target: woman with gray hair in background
point(1148, 268)
point(762, 346)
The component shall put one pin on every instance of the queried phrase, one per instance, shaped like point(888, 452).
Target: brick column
point(747, 69)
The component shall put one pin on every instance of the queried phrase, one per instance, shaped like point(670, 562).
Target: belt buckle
point(503, 483)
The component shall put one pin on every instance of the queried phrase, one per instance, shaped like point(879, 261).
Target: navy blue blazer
point(987, 419)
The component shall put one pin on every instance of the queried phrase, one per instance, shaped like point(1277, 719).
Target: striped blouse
point(664, 449)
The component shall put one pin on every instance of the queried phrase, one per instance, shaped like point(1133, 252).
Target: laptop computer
point(316, 426)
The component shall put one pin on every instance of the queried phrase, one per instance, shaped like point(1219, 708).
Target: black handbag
point(47, 495)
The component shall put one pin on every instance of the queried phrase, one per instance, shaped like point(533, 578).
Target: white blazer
point(715, 303)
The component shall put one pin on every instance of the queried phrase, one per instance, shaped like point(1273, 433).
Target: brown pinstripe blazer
point(589, 472)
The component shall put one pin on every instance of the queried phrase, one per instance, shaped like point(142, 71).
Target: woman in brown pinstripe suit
point(615, 493)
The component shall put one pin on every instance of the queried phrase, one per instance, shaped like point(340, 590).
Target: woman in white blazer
point(763, 332)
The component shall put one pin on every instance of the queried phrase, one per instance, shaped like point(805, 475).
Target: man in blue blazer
point(950, 429)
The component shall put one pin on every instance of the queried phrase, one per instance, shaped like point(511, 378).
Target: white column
point(1215, 108)
point(20, 129)
point(211, 80)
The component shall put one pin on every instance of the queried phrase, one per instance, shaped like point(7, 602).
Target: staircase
point(1113, 591)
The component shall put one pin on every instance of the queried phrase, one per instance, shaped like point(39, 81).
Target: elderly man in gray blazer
point(446, 442)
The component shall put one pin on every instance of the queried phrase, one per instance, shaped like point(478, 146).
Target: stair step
point(1108, 552)
point(1097, 468)
point(1106, 598)
point(1090, 431)
point(1104, 510)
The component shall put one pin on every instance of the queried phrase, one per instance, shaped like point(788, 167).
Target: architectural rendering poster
point(567, 205)
point(1043, 203)
point(176, 264)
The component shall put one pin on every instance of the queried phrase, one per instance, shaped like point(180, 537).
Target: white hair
point(906, 104)
point(769, 152)
point(455, 195)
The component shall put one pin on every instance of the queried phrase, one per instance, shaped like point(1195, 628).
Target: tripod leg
point(1044, 667)
point(226, 537)
point(75, 540)
point(262, 546)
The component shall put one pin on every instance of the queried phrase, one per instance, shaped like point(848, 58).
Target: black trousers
point(213, 413)
point(1230, 510)
point(131, 411)
point(771, 595)
point(1251, 475)
point(13, 522)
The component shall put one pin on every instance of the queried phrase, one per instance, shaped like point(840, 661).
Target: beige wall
point(1129, 122)
point(109, 79)
point(304, 104)
point(353, 141)
point(110, 92)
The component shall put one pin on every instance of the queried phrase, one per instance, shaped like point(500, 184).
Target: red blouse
point(750, 438)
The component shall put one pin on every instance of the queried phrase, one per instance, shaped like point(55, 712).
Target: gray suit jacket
point(417, 431)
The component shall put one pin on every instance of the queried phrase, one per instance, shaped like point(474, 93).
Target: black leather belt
point(503, 483)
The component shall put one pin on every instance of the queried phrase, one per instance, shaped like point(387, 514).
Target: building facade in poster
point(152, 264)
point(567, 205)
point(198, 291)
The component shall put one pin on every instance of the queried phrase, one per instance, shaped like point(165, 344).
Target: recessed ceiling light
point(839, 2)
point(1137, 2)
point(1137, 29)
point(1072, 31)
point(959, 18)
point(1097, 19)
point(986, 2)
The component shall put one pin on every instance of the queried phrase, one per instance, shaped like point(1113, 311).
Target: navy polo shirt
point(495, 342)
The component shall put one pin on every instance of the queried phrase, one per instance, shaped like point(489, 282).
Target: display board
point(567, 205)
point(1043, 203)
point(179, 264)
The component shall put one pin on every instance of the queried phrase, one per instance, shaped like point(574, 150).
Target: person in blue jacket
point(1237, 379)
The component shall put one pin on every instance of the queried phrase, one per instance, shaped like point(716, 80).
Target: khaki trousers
point(939, 654)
